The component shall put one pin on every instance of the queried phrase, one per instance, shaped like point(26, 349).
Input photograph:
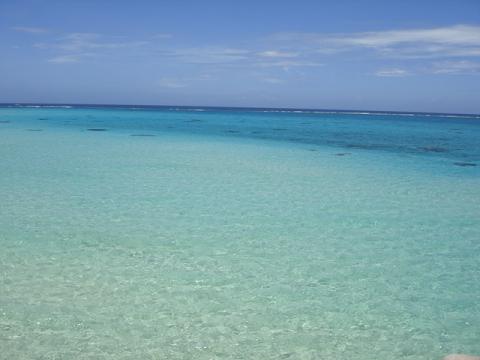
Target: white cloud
point(392, 72)
point(74, 47)
point(209, 55)
point(462, 67)
point(277, 54)
point(76, 42)
point(65, 59)
point(457, 35)
point(458, 40)
point(272, 80)
point(71, 58)
point(286, 51)
point(30, 30)
point(456, 67)
point(286, 64)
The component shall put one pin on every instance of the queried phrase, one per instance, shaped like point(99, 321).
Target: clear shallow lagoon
point(238, 234)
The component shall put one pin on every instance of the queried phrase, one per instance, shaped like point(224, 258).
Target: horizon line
point(225, 107)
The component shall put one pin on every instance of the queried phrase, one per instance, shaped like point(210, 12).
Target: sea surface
point(226, 233)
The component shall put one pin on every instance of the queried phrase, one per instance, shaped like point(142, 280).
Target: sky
point(421, 55)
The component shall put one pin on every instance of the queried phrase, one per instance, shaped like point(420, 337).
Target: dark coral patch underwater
point(464, 164)
point(436, 149)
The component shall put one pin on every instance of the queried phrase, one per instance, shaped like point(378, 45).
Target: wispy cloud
point(458, 40)
point(75, 47)
point(209, 55)
point(456, 67)
point(272, 80)
point(241, 57)
point(286, 64)
point(392, 72)
point(68, 59)
point(284, 51)
point(277, 54)
point(75, 42)
point(457, 35)
point(30, 30)
point(64, 59)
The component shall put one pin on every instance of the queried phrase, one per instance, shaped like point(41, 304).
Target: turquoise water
point(238, 234)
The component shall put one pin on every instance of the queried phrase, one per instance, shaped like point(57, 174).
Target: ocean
point(135, 232)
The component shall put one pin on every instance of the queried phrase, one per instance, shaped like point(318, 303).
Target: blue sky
point(379, 55)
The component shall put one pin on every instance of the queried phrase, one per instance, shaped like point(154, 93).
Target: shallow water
point(237, 234)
